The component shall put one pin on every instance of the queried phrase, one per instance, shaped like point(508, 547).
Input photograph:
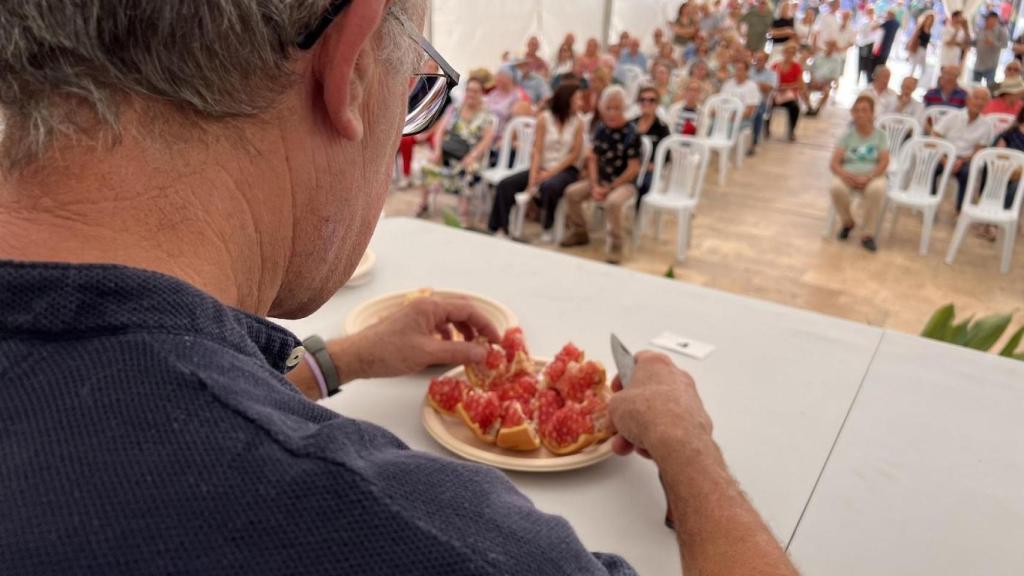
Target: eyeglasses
point(648, 100)
point(429, 94)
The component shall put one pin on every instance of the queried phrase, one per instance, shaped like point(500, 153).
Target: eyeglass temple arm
point(417, 36)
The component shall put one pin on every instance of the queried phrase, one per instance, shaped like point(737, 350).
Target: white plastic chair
point(518, 137)
point(912, 185)
point(898, 130)
point(1001, 122)
point(933, 114)
point(999, 165)
point(719, 128)
point(675, 187)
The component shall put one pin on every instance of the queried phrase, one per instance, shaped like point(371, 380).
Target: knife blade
point(624, 361)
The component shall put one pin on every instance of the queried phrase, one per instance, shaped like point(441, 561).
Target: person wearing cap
point(1009, 98)
point(990, 43)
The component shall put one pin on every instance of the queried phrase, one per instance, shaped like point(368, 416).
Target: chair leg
point(1009, 237)
point(962, 224)
point(928, 220)
point(683, 236)
point(895, 216)
point(830, 222)
point(638, 225)
point(723, 164)
point(560, 221)
point(657, 225)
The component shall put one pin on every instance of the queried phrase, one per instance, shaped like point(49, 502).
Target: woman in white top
point(557, 147)
point(955, 39)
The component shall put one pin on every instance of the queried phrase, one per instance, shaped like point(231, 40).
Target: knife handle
point(669, 521)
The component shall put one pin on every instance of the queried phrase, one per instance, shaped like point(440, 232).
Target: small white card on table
point(686, 346)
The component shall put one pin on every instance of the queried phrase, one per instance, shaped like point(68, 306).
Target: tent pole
point(606, 24)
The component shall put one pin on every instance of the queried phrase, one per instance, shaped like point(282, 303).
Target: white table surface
point(778, 386)
point(927, 477)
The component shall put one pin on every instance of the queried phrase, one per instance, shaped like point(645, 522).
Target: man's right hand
point(659, 409)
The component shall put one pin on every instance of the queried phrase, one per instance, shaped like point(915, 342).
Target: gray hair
point(67, 67)
point(611, 93)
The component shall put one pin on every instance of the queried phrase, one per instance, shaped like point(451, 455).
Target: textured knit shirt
point(145, 428)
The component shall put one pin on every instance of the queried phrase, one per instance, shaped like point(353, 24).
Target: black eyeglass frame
point(451, 77)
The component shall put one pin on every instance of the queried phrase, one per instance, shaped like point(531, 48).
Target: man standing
point(883, 48)
point(757, 22)
point(612, 168)
point(827, 26)
point(988, 46)
point(167, 184)
point(867, 34)
point(767, 81)
point(968, 131)
point(879, 91)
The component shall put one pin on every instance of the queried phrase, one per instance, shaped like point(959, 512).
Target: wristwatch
point(317, 348)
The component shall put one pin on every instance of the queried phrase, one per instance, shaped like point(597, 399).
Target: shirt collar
point(57, 300)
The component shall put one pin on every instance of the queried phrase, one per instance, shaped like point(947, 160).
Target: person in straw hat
point(1009, 98)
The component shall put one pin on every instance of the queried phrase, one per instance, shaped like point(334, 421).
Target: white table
point(778, 386)
point(928, 474)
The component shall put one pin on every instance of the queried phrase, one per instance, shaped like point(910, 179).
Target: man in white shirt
point(827, 26)
point(867, 33)
point(906, 105)
point(741, 87)
point(968, 131)
point(825, 71)
point(885, 99)
point(847, 35)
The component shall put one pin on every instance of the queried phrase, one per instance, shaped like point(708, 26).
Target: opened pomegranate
point(569, 430)
point(445, 394)
point(580, 378)
point(522, 387)
point(481, 411)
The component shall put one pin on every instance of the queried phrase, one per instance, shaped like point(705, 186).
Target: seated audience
point(686, 25)
point(589, 60)
point(948, 92)
point(535, 86)
point(826, 69)
point(657, 42)
point(1012, 138)
point(666, 57)
point(721, 64)
point(565, 63)
point(503, 96)
point(612, 168)
point(906, 104)
point(767, 81)
point(464, 146)
point(879, 91)
point(1012, 70)
point(558, 144)
point(1008, 98)
point(708, 84)
point(686, 113)
point(534, 62)
point(742, 88)
point(969, 132)
point(699, 50)
point(648, 124)
point(858, 165)
point(791, 86)
point(661, 79)
point(631, 55)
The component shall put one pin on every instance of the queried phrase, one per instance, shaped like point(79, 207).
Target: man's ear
point(340, 64)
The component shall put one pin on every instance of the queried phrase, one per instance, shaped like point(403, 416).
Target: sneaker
point(614, 254)
point(869, 244)
point(501, 235)
point(576, 238)
point(845, 232)
point(547, 237)
point(751, 151)
point(791, 137)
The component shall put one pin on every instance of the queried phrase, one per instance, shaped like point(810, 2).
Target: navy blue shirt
point(147, 429)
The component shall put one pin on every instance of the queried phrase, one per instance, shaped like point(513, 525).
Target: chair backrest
point(898, 130)
point(918, 161)
point(518, 136)
point(1001, 122)
point(992, 169)
point(933, 114)
point(720, 118)
point(686, 160)
point(646, 154)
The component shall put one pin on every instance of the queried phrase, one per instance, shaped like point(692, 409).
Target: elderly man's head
point(977, 99)
point(282, 154)
point(908, 86)
point(1013, 69)
point(613, 107)
point(881, 78)
point(948, 78)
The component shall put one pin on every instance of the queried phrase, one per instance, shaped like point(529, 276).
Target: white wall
point(475, 33)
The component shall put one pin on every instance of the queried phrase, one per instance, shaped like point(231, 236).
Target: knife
point(625, 364)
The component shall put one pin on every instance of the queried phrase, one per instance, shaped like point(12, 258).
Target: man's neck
point(192, 219)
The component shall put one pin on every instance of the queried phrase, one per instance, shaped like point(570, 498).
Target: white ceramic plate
point(454, 435)
point(371, 312)
point(362, 273)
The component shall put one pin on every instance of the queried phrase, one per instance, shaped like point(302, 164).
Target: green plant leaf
point(940, 325)
point(450, 219)
point(1011, 345)
point(1019, 357)
point(986, 332)
point(958, 333)
point(671, 273)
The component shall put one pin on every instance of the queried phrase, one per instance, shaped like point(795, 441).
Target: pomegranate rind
point(517, 432)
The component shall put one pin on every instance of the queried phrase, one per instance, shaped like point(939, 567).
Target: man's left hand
point(415, 337)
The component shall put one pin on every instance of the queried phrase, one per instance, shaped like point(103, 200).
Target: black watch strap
point(316, 346)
